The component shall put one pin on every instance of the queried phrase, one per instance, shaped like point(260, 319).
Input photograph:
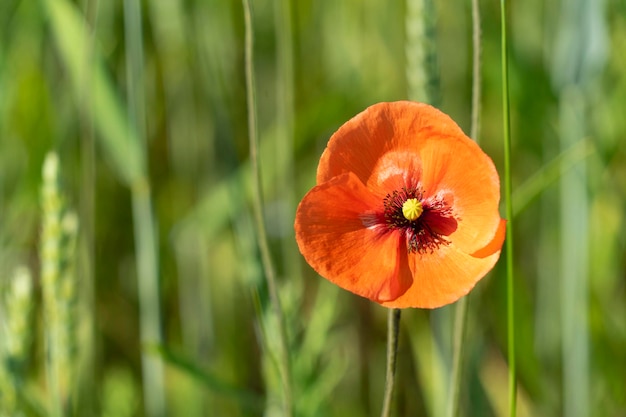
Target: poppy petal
point(472, 186)
point(394, 170)
point(358, 144)
point(442, 277)
point(496, 243)
point(338, 235)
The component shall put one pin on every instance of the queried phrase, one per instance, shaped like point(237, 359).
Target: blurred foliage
point(64, 86)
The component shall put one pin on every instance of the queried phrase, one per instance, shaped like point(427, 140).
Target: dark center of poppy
point(425, 222)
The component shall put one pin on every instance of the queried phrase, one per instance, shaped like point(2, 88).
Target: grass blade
point(92, 85)
point(510, 293)
point(266, 259)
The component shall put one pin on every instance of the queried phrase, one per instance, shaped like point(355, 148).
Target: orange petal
point(394, 170)
point(442, 277)
point(455, 167)
point(496, 243)
point(338, 238)
point(358, 144)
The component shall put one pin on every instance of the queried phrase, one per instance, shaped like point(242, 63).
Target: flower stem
point(509, 214)
point(393, 326)
point(266, 259)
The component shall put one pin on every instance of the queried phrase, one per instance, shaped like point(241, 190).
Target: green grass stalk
point(92, 85)
point(393, 327)
point(149, 303)
point(421, 54)
point(59, 286)
point(15, 338)
point(266, 259)
point(574, 260)
point(143, 222)
point(578, 66)
point(285, 129)
point(122, 143)
point(86, 243)
point(462, 306)
point(460, 321)
point(550, 173)
point(476, 70)
point(50, 273)
point(510, 293)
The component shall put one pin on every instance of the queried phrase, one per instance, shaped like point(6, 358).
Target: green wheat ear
point(58, 243)
point(15, 338)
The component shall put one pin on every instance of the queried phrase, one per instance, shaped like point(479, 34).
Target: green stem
point(460, 320)
point(285, 128)
point(143, 222)
point(509, 215)
point(393, 326)
point(462, 306)
point(266, 259)
point(476, 65)
point(149, 304)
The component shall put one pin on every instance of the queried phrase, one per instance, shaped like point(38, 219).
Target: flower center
point(412, 209)
point(423, 221)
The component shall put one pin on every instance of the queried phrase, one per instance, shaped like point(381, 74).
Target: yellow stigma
point(412, 209)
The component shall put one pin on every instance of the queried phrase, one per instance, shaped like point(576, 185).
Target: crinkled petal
point(358, 145)
point(338, 234)
point(394, 170)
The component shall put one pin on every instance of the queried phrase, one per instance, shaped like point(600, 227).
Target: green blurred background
point(145, 105)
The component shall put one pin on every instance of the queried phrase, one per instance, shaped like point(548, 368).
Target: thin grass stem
point(266, 259)
point(462, 306)
point(510, 293)
point(460, 320)
point(285, 119)
point(87, 204)
point(476, 70)
point(393, 326)
point(143, 222)
point(149, 304)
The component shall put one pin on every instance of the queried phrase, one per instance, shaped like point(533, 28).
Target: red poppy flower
point(405, 210)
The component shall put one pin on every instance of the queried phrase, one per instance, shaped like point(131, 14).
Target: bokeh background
point(145, 105)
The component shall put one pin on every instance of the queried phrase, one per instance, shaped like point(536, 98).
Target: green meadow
point(153, 154)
